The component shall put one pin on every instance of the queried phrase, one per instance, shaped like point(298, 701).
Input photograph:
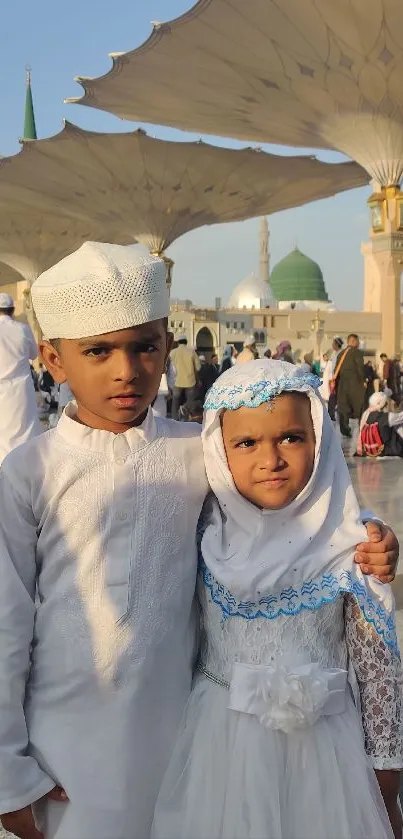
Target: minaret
point(264, 267)
point(29, 121)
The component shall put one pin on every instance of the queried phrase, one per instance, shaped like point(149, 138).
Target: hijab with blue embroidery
point(272, 562)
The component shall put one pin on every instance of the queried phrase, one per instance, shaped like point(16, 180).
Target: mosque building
point(297, 283)
point(252, 293)
point(288, 303)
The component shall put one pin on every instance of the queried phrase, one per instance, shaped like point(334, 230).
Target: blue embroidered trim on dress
point(311, 595)
point(254, 394)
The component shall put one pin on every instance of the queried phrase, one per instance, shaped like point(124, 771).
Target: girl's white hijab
point(254, 553)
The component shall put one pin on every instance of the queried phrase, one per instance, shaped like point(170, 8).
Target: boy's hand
point(21, 822)
point(380, 555)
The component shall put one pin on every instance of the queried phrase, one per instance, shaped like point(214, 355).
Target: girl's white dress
point(290, 762)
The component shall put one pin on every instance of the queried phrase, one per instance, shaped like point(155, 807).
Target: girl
point(387, 439)
point(298, 690)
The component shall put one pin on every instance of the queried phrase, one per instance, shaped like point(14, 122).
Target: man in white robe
point(97, 563)
point(19, 419)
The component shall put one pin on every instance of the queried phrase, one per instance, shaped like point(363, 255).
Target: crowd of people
point(350, 385)
point(190, 375)
point(370, 395)
point(197, 629)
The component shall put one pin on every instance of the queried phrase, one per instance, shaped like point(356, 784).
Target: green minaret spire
point(29, 121)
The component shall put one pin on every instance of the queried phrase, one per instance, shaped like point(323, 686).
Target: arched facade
point(206, 342)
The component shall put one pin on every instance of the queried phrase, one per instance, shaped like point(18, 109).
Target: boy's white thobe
point(97, 575)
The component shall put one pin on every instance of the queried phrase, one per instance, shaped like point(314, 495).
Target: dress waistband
point(285, 695)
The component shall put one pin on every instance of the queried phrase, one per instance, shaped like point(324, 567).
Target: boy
point(98, 563)
point(99, 520)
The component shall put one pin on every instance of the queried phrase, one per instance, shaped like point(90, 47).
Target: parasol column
point(372, 281)
point(169, 264)
point(386, 250)
point(29, 311)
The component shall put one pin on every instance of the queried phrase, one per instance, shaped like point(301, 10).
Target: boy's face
point(114, 377)
point(270, 450)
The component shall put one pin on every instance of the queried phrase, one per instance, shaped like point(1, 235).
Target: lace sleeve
point(379, 676)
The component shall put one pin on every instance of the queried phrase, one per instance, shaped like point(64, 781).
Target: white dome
point(251, 293)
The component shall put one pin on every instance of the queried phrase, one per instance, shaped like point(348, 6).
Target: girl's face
point(271, 450)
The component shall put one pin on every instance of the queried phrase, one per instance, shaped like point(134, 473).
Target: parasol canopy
point(131, 187)
point(31, 241)
point(309, 73)
point(8, 276)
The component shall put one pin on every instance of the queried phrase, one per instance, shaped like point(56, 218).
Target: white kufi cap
point(100, 288)
point(6, 301)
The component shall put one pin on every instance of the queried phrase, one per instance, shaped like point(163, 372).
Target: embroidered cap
point(100, 288)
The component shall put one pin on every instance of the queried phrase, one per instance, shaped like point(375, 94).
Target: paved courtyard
point(379, 486)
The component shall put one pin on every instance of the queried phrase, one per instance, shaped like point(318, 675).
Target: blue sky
point(61, 40)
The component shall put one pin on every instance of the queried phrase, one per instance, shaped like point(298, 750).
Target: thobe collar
point(95, 440)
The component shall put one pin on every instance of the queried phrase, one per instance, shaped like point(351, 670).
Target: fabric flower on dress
point(286, 695)
point(292, 699)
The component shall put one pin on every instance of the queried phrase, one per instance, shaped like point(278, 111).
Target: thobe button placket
point(121, 449)
point(119, 557)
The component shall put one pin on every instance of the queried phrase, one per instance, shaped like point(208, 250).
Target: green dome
point(296, 277)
